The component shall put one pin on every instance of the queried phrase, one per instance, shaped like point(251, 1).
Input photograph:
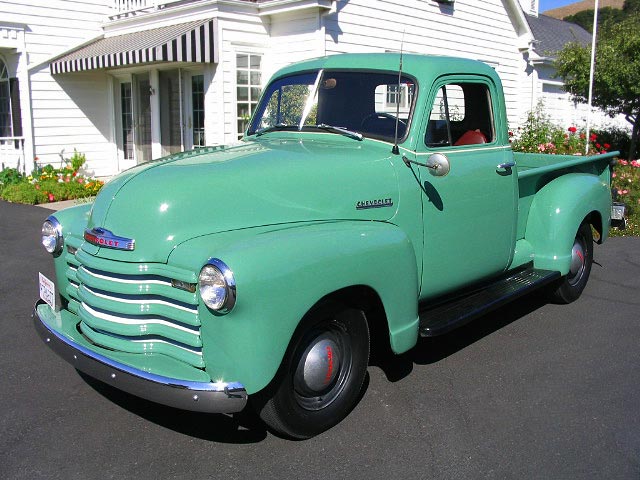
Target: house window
point(197, 99)
point(248, 84)
point(400, 95)
point(127, 120)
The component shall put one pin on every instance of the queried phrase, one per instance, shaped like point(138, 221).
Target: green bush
point(619, 139)
point(23, 193)
point(49, 184)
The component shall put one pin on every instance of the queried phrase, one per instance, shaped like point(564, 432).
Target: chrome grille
point(134, 308)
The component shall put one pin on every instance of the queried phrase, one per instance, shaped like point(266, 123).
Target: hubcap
point(320, 365)
point(322, 369)
point(577, 262)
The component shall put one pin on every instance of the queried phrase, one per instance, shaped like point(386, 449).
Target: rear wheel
point(571, 286)
point(320, 380)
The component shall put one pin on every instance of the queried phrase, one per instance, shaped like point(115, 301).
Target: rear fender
point(557, 211)
point(282, 272)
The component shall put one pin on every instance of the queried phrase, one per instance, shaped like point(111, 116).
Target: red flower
point(582, 136)
point(593, 137)
point(598, 145)
point(607, 146)
point(572, 129)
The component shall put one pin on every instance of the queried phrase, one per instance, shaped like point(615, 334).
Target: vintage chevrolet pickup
point(374, 197)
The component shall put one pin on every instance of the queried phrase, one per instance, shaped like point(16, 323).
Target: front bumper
point(209, 397)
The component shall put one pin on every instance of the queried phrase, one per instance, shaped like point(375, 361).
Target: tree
point(605, 14)
point(616, 86)
point(584, 18)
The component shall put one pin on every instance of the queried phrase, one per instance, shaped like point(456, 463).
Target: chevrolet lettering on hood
point(104, 238)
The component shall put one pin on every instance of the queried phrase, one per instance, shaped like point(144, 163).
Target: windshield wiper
point(343, 131)
point(273, 128)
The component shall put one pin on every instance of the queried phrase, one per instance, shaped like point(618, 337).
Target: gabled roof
point(551, 34)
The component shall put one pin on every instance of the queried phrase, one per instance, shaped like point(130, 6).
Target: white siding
point(471, 29)
point(294, 37)
point(74, 112)
point(235, 37)
point(60, 112)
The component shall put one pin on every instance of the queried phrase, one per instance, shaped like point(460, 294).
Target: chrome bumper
point(195, 396)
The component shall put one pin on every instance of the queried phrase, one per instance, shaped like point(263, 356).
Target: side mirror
point(438, 165)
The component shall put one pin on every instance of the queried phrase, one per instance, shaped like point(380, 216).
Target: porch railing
point(12, 153)
point(123, 7)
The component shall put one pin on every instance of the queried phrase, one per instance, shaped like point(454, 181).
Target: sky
point(549, 4)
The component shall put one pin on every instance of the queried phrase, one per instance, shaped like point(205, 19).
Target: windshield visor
point(364, 102)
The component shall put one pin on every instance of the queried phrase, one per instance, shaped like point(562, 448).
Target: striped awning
point(184, 42)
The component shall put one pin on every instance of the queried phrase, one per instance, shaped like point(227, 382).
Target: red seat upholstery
point(471, 137)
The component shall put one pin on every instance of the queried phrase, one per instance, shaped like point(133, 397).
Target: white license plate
point(47, 291)
point(618, 211)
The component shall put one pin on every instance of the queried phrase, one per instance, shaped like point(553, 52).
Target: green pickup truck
point(374, 197)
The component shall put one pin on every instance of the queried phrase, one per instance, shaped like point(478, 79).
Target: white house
point(125, 81)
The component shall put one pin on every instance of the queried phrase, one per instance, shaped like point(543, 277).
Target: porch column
point(154, 100)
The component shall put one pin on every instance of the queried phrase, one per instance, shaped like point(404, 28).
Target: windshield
point(356, 102)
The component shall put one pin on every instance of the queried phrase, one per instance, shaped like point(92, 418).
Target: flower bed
point(49, 184)
point(626, 189)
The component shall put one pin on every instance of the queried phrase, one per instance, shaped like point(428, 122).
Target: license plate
point(47, 291)
point(617, 211)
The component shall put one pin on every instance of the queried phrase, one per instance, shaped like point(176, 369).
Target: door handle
point(502, 166)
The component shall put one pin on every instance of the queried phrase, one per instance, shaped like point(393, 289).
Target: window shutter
point(16, 113)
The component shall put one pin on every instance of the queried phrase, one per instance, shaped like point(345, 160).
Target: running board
point(445, 317)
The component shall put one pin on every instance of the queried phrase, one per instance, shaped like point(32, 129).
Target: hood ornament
point(102, 237)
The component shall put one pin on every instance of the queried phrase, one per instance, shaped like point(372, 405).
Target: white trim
point(277, 7)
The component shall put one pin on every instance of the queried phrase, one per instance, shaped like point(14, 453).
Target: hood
point(276, 180)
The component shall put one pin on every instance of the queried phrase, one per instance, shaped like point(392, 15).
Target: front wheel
point(321, 378)
point(571, 286)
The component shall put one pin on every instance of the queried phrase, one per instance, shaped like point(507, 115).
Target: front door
point(469, 215)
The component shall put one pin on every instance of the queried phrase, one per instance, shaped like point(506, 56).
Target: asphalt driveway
point(533, 390)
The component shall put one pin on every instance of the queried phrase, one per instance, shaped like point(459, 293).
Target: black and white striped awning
point(185, 42)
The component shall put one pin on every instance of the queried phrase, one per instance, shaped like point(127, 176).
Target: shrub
point(23, 193)
point(49, 184)
point(539, 134)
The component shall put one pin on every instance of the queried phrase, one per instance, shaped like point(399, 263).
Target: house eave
point(277, 7)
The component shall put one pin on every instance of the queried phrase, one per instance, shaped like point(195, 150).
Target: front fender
point(281, 272)
point(556, 213)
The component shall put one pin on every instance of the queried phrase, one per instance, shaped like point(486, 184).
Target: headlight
point(217, 286)
point(52, 236)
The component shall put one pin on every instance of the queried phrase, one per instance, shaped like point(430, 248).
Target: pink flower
point(614, 175)
point(635, 163)
point(51, 197)
point(623, 162)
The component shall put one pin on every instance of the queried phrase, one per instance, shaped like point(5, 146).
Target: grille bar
point(134, 308)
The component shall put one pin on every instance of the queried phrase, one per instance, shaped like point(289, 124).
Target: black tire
point(320, 379)
point(571, 286)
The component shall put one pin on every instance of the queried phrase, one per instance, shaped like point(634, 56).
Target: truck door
point(469, 214)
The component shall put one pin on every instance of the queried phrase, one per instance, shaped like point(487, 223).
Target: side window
point(461, 114)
